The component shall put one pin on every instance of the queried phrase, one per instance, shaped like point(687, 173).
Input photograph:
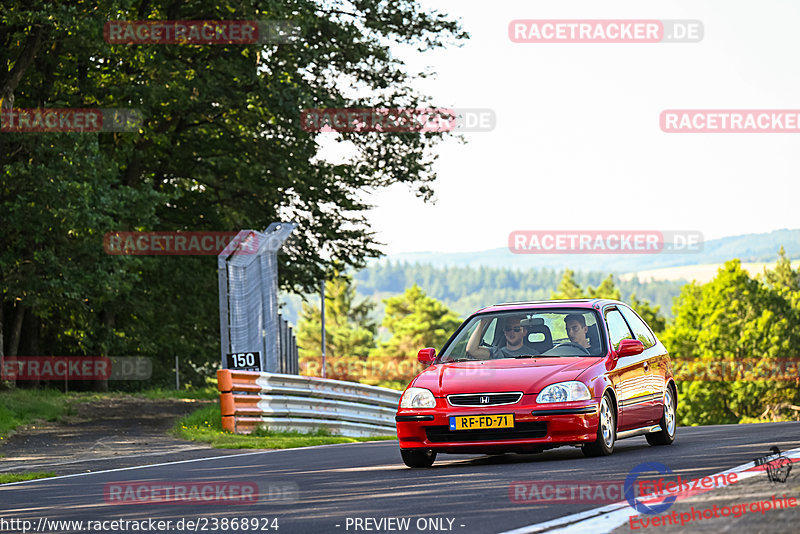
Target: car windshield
point(526, 334)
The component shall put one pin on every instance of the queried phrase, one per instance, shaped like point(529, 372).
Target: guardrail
point(249, 400)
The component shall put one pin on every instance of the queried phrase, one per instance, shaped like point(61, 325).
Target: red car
point(525, 377)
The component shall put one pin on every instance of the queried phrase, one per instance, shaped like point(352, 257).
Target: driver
point(515, 335)
point(577, 329)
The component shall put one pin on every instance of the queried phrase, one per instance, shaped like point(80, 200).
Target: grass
point(205, 425)
point(7, 478)
point(25, 406)
point(206, 393)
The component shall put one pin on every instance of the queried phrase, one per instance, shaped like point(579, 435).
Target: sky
point(577, 144)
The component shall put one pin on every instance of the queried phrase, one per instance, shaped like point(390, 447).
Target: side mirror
point(630, 347)
point(426, 355)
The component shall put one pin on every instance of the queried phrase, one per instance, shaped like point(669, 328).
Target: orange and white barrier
point(249, 400)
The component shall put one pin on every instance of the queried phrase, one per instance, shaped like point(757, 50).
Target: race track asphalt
point(327, 489)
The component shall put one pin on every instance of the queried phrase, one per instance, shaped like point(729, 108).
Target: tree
point(221, 148)
point(649, 313)
point(414, 321)
point(733, 320)
point(568, 288)
point(784, 279)
point(349, 332)
point(606, 290)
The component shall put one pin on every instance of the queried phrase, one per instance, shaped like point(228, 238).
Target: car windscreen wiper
point(537, 356)
point(460, 360)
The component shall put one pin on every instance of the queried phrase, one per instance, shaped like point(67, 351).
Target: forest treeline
point(465, 289)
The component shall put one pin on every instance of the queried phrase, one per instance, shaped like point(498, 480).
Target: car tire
point(418, 457)
point(606, 431)
point(668, 422)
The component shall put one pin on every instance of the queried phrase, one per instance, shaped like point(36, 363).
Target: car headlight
point(564, 392)
point(417, 398)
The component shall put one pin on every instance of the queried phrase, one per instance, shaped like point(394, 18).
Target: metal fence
point(248, 298)
point(288, 361)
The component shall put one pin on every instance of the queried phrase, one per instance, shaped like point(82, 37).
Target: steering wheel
point(572, 344)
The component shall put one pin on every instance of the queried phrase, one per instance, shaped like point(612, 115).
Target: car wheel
point(606, 431)
point(668, 422)
point(418, 457)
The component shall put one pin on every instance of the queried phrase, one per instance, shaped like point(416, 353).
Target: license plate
point(474, 422)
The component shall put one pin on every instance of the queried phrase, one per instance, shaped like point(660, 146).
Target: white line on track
point(604, 519)
point(185, 462)
point(103, 459)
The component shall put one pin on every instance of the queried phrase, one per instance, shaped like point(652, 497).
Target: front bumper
point(536, 427)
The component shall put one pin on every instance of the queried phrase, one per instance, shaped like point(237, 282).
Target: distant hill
point(466, 289)
point(700, 273)
point(469, 280)
point(748, 248)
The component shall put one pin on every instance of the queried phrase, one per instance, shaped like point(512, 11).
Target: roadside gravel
point(114, 432)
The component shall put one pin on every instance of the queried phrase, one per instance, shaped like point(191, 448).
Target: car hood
point(487, 376)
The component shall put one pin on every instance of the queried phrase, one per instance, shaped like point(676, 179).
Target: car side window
point(617, 328)
point(640, 330)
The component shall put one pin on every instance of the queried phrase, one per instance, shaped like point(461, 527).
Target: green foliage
point(650, 314)
point(415, 321)
point(7, 478)
point(205, 425)
point(736, 318)
point(606, 290)
point(23, 406)
point(411, 321)
point(783, 280)
point(205, 393)
point(704, 403)
point(466, 289)
point(221, 148)
point(733, 316)
point(349, 332)
point(568, 288)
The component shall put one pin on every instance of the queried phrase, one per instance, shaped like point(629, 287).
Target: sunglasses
point(514, 328)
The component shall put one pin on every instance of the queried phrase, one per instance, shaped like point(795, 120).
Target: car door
point(628, 374)
point(655, 364)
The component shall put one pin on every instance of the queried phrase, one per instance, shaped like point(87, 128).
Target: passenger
point(577, 329)
point(515, 336)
